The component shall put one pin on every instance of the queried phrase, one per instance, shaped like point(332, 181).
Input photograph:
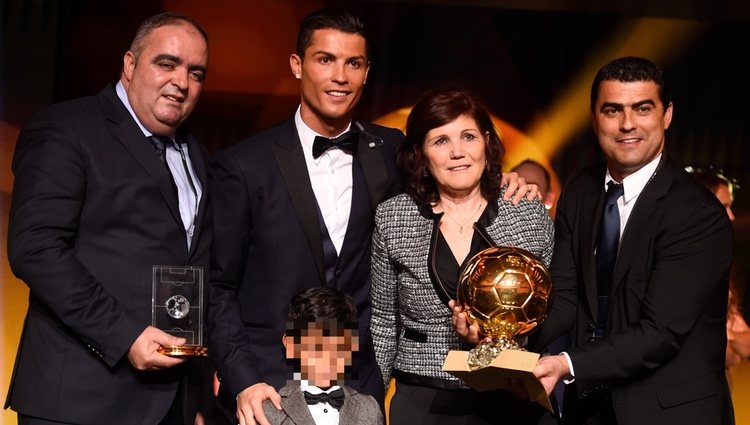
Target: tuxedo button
point(591, 327)
point(338, 273)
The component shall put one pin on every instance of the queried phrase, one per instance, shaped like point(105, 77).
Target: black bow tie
point(347, 142)
point(334, 398)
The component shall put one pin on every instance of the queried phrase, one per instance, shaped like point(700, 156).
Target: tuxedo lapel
point(128, 133)
point(373, 167)
point(291, 160)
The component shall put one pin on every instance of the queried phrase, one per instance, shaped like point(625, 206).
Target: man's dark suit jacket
point(269, 247)
point(664, 353)
point(358, 409)
point(93, 209)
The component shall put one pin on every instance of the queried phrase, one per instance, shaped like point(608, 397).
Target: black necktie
point(606, 252)
point(334, 398)
point(346, 142)
point(160, 146)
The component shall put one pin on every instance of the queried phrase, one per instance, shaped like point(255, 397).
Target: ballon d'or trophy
point(505, 291)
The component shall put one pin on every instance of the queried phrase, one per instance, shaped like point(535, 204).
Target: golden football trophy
point(505, 291)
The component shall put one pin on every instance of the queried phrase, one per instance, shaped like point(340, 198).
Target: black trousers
point(422, 405)
point(594, 409)
point(174, 416)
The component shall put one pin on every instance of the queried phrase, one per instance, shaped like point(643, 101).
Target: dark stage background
point(531, 61)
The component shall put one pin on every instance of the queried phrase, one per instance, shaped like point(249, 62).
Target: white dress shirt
point(322, 413)
point(331, 178)
point(632, 187)
point(188, 198)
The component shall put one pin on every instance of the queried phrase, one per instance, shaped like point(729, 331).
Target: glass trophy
point(177, 308)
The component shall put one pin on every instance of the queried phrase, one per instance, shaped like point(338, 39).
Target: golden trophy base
point(484, 353)
point(508, 365)
point(183, 350)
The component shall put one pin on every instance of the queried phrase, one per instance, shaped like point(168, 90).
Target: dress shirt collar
point(307, 136)
point(124, 98)
point(312, 389)
point(633, 184)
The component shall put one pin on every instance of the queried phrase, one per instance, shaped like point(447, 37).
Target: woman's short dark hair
point(435, 109)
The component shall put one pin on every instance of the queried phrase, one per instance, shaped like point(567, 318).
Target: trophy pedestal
point(183, 350)
point(509, 364)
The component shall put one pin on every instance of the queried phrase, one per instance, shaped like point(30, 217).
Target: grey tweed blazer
point(403, 295)
point(358, 408)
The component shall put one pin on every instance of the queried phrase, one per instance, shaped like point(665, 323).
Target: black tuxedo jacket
point(663, 355)
point(268, 247)
point(93, 209)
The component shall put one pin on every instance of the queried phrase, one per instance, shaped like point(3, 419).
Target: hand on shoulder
point(250, 403)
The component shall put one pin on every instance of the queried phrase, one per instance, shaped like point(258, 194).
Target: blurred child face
point(324, 351)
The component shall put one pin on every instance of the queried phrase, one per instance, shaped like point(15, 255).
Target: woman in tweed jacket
point(452, 210)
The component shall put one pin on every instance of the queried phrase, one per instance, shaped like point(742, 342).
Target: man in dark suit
point(96, 204)
point(287, 219)
point(647, 309)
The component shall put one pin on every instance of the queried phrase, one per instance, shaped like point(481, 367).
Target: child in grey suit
point(320, 338)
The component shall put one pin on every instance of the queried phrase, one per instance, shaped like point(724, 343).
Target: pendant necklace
point(461, 226)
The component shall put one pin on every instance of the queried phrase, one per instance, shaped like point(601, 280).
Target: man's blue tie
point(606, 253)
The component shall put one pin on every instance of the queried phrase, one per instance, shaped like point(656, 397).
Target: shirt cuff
point(571, 377)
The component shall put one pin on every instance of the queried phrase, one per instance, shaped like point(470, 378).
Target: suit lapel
point(349, 413)
point(643, 210)
point(591, 217)
point(198, 163)
point(295, 407)
point(128, 133)
point(291, 160)
point(373, 167)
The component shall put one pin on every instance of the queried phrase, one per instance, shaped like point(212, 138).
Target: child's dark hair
point(325, 305)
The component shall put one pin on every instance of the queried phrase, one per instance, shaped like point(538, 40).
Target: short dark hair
point(629, 69)
point(320, 304)
point(158, 21)
point(329, 18)
point(435, 109)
